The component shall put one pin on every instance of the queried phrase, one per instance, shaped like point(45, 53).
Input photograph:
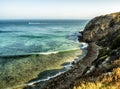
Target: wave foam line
point(55, 52)
point(30, 84)
point(85, 45)
point(35, 53)
point(42, 80)
point(67, 67)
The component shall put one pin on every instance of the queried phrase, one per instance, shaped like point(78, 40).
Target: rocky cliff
point(104, 72)
point(100, 69)
point(100, 26)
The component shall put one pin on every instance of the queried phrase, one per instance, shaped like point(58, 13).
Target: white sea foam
point(68, 66)
point(55, 52)
point(36, 23)
point(42, 80)
point(84, 45)
point(47, 53)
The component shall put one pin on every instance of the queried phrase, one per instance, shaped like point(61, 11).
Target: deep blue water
point(18, 37)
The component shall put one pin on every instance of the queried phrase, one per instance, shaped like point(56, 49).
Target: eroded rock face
point(100, 26)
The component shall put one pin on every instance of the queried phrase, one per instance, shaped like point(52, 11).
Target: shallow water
point(35, 50)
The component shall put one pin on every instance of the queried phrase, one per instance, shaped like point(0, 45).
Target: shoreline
point(67, 67)
point(102, 35)
point(36, 55)
point(34, 67)
point(103, 57)
point(75, 72)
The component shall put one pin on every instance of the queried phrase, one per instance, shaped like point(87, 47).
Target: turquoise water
point(18, 37)
point(37, 50)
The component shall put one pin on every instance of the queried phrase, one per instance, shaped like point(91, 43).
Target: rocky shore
point(104, 72)
point(67, 79)
point(101, 62)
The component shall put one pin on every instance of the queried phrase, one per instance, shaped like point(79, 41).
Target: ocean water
point(18, 37)
point(36, 50)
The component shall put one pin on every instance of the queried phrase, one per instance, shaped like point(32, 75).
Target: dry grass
point(109, 80)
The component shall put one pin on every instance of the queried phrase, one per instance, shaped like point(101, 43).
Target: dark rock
point(100, 26)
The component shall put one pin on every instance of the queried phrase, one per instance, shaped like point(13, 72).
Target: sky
point(56, 9)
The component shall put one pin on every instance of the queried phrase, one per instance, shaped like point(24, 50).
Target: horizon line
point(48, 19)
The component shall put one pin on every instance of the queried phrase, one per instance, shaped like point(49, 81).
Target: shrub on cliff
point(116, 43)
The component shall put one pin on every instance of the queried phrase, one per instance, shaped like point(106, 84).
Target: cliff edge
point(100, 26)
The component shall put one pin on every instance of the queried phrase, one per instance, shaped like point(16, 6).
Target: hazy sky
point(56, 9)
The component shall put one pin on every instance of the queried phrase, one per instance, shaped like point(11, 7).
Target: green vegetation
point(116, 42)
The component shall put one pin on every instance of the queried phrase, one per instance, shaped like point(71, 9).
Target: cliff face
point(100, 26)
point(104, 72)
point(105, 32)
